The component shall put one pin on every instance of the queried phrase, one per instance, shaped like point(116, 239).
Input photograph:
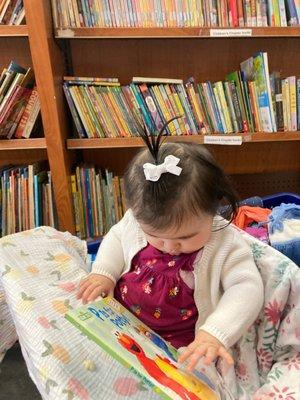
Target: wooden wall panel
point(248, 158)
point(16, 49)
point(179, 58)
point(21, 157)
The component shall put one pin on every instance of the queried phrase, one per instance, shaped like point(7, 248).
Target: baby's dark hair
point(202, 186)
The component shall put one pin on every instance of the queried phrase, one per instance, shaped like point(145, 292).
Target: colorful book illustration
point(141, 350)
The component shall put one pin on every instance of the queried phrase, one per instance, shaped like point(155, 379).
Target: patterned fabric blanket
point(40, 271)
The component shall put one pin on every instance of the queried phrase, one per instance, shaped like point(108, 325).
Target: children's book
point(137, 347)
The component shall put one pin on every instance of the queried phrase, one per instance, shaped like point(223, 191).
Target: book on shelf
point(172, 14)
point(12, 12)
point(140, 79)
point(19, 102)
point(149, 357)
point(99, 201)
point(252, 99)
point(25, 200)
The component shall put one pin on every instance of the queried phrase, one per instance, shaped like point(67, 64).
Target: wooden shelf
point(102, 143)
point(23, 144)
point(119, 33)
point(13, 30)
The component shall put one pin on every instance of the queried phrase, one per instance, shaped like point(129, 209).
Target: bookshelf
point(137, 142)
point(142, 33)
point(14, 31)
point(262, 161)
point(23, 144)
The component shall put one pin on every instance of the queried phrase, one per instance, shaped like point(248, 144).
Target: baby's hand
point(204, 345)
point(93, 286)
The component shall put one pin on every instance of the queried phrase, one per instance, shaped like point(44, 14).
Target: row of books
point(19, 103)
point(26, 198)
point(99, 200)
point(249, 100)
point(175, 13)
point(12, 12)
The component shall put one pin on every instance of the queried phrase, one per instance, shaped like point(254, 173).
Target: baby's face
point(192, 235)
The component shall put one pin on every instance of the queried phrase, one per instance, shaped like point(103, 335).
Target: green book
point(137, 347)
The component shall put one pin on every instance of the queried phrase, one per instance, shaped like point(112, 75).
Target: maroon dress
point(155, 290)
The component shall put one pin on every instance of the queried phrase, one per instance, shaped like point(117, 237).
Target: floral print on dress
point(171, 263)
point(157, 313)
point(151, 262)
point(185, 314)
point(173, 292)
point(124, 290)
point(136, 309)
point(147, 286)
point(137, 270)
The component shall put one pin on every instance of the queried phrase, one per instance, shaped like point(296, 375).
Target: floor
point(15, 383)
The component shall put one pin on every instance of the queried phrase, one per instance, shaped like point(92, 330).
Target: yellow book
point(76, 13)
point(113, 111)
point(288, 104)
point(122, 124)
point(293, 102)
point(196, 108)
point(81, 219)
point(91, 114)
point(182, 112)
point(162, 105)
point(174, 125)
point(193, 12)
point(276, 12)
point(99, 9)
point(175, 108)
point(111, 128)
point(254, 102)
point(284, 106)
point(76, 98)
point(144, 16)
point(224, 106)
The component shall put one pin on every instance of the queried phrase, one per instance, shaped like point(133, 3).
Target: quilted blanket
point(40, 271)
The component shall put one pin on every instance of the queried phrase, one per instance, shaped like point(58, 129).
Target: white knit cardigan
point(228, 287)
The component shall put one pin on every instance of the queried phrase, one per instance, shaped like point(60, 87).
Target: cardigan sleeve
point(242, 298)
point(110, 260)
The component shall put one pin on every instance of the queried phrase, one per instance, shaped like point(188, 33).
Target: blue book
point(158, 109)
point(215, 107)
point(146, 116)
point(89, 201)
point(86, 13)
point(291, 13)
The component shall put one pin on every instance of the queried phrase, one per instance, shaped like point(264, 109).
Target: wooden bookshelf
point(102, 143)
point(23, 144)
point(12, 30)
point(142, 33)
point(128, 52)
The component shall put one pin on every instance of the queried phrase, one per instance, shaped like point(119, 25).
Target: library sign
point(230, 32)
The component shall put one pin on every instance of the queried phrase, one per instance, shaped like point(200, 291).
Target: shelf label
point(65, 33)
point(223, 140)
point(230, 32)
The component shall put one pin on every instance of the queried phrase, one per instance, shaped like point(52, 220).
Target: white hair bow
point(153, 172)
